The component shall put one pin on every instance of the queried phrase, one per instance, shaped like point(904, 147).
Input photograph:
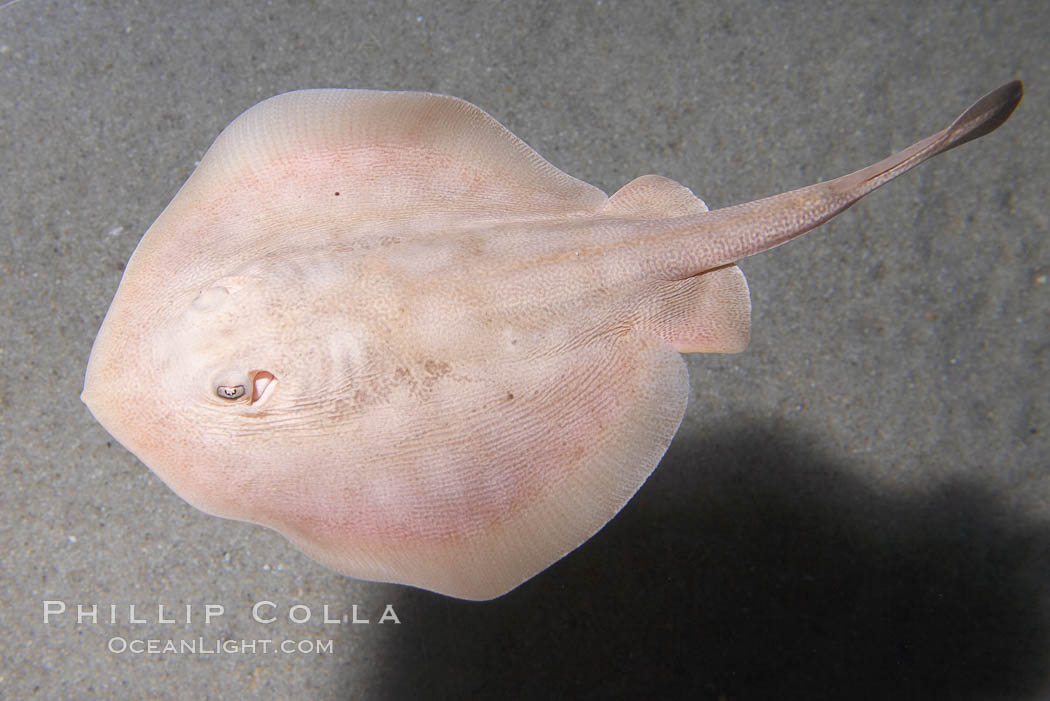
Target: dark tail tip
point(986, 115)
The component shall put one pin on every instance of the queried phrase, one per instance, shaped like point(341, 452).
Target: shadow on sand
point(770, 573)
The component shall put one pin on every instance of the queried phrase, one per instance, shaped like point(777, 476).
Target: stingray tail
point(724, 236)
point(986, 115)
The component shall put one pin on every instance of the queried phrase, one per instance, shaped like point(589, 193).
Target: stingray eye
point(232, 385)
point(255, 386)
point(230, 392)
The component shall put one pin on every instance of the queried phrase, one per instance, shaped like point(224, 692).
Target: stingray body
point(382, 325)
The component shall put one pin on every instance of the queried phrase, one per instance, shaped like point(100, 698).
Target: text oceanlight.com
point(201, 646)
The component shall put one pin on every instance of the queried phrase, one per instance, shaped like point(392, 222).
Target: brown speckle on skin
point(436, 368)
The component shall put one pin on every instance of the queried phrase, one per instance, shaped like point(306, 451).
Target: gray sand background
point(856, 507)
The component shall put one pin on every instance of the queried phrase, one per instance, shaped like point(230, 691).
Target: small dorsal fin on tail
point(653, 197)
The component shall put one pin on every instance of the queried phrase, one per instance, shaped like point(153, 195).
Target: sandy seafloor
point(856, 507)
